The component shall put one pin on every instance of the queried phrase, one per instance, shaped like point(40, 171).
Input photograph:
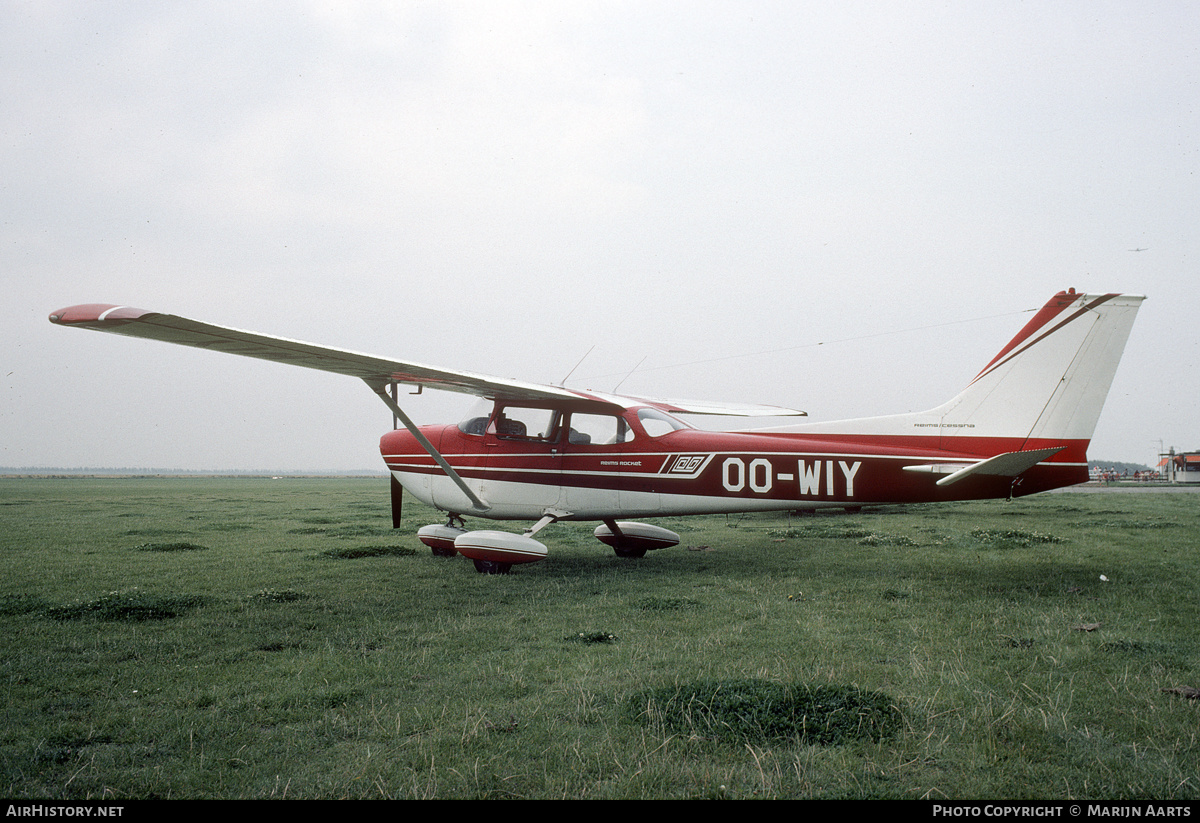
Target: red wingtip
point(94, 313)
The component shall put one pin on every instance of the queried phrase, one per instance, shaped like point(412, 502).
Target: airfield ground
point(248, 637)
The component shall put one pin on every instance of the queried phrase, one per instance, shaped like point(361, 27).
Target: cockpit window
point(657, 423)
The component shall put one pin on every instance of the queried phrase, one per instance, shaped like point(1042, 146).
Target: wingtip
point(89, 313)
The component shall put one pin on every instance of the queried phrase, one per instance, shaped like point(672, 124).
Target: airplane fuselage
point(692, 471)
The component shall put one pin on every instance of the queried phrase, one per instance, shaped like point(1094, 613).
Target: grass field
point(255, 638)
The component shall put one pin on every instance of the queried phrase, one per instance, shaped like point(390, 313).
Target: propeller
point(397, 500)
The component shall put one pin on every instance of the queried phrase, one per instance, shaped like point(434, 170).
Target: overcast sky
point(703, 191)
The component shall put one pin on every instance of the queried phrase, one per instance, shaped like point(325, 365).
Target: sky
point(842, 207)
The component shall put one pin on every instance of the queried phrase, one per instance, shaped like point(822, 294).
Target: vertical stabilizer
point(1050, 382)
point(1046, 387)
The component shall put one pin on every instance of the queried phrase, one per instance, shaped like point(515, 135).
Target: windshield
point(477, 418)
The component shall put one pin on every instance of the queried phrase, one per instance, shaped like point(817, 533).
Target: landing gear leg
point(454, 521)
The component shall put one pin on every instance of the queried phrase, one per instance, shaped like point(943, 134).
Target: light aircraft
point(547, 453)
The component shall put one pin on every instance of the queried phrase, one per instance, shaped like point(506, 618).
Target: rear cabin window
point(658, 423)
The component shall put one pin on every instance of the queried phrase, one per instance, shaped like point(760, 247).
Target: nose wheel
point(440, 537)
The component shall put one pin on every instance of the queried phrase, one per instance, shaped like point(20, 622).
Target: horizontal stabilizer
point(939, 468)
point(1009, 464)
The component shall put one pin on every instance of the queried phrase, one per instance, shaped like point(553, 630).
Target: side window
point(598, 430)
point(522, 423)
point(658, 423)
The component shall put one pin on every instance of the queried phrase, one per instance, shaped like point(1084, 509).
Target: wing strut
point(381, 388)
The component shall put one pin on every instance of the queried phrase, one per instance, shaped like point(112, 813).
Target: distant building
point(1181, 468)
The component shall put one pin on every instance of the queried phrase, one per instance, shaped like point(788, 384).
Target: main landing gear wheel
point(633, 540)
point(492, 567)
point(496, 552)
point(633, 552)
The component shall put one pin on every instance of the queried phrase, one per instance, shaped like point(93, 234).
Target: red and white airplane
point(547, 453)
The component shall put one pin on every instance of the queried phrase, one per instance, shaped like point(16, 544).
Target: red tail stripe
point(1048, 313)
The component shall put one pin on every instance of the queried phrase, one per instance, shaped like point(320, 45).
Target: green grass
point(739, 712)
point(250, 638)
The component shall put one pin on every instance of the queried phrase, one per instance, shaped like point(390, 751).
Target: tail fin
point(1050, 382)
point(1045, 388)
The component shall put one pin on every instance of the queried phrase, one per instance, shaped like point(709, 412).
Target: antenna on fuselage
point(563, 382)
point(631, 371)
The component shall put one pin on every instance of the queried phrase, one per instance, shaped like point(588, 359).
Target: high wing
point(377, 372)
